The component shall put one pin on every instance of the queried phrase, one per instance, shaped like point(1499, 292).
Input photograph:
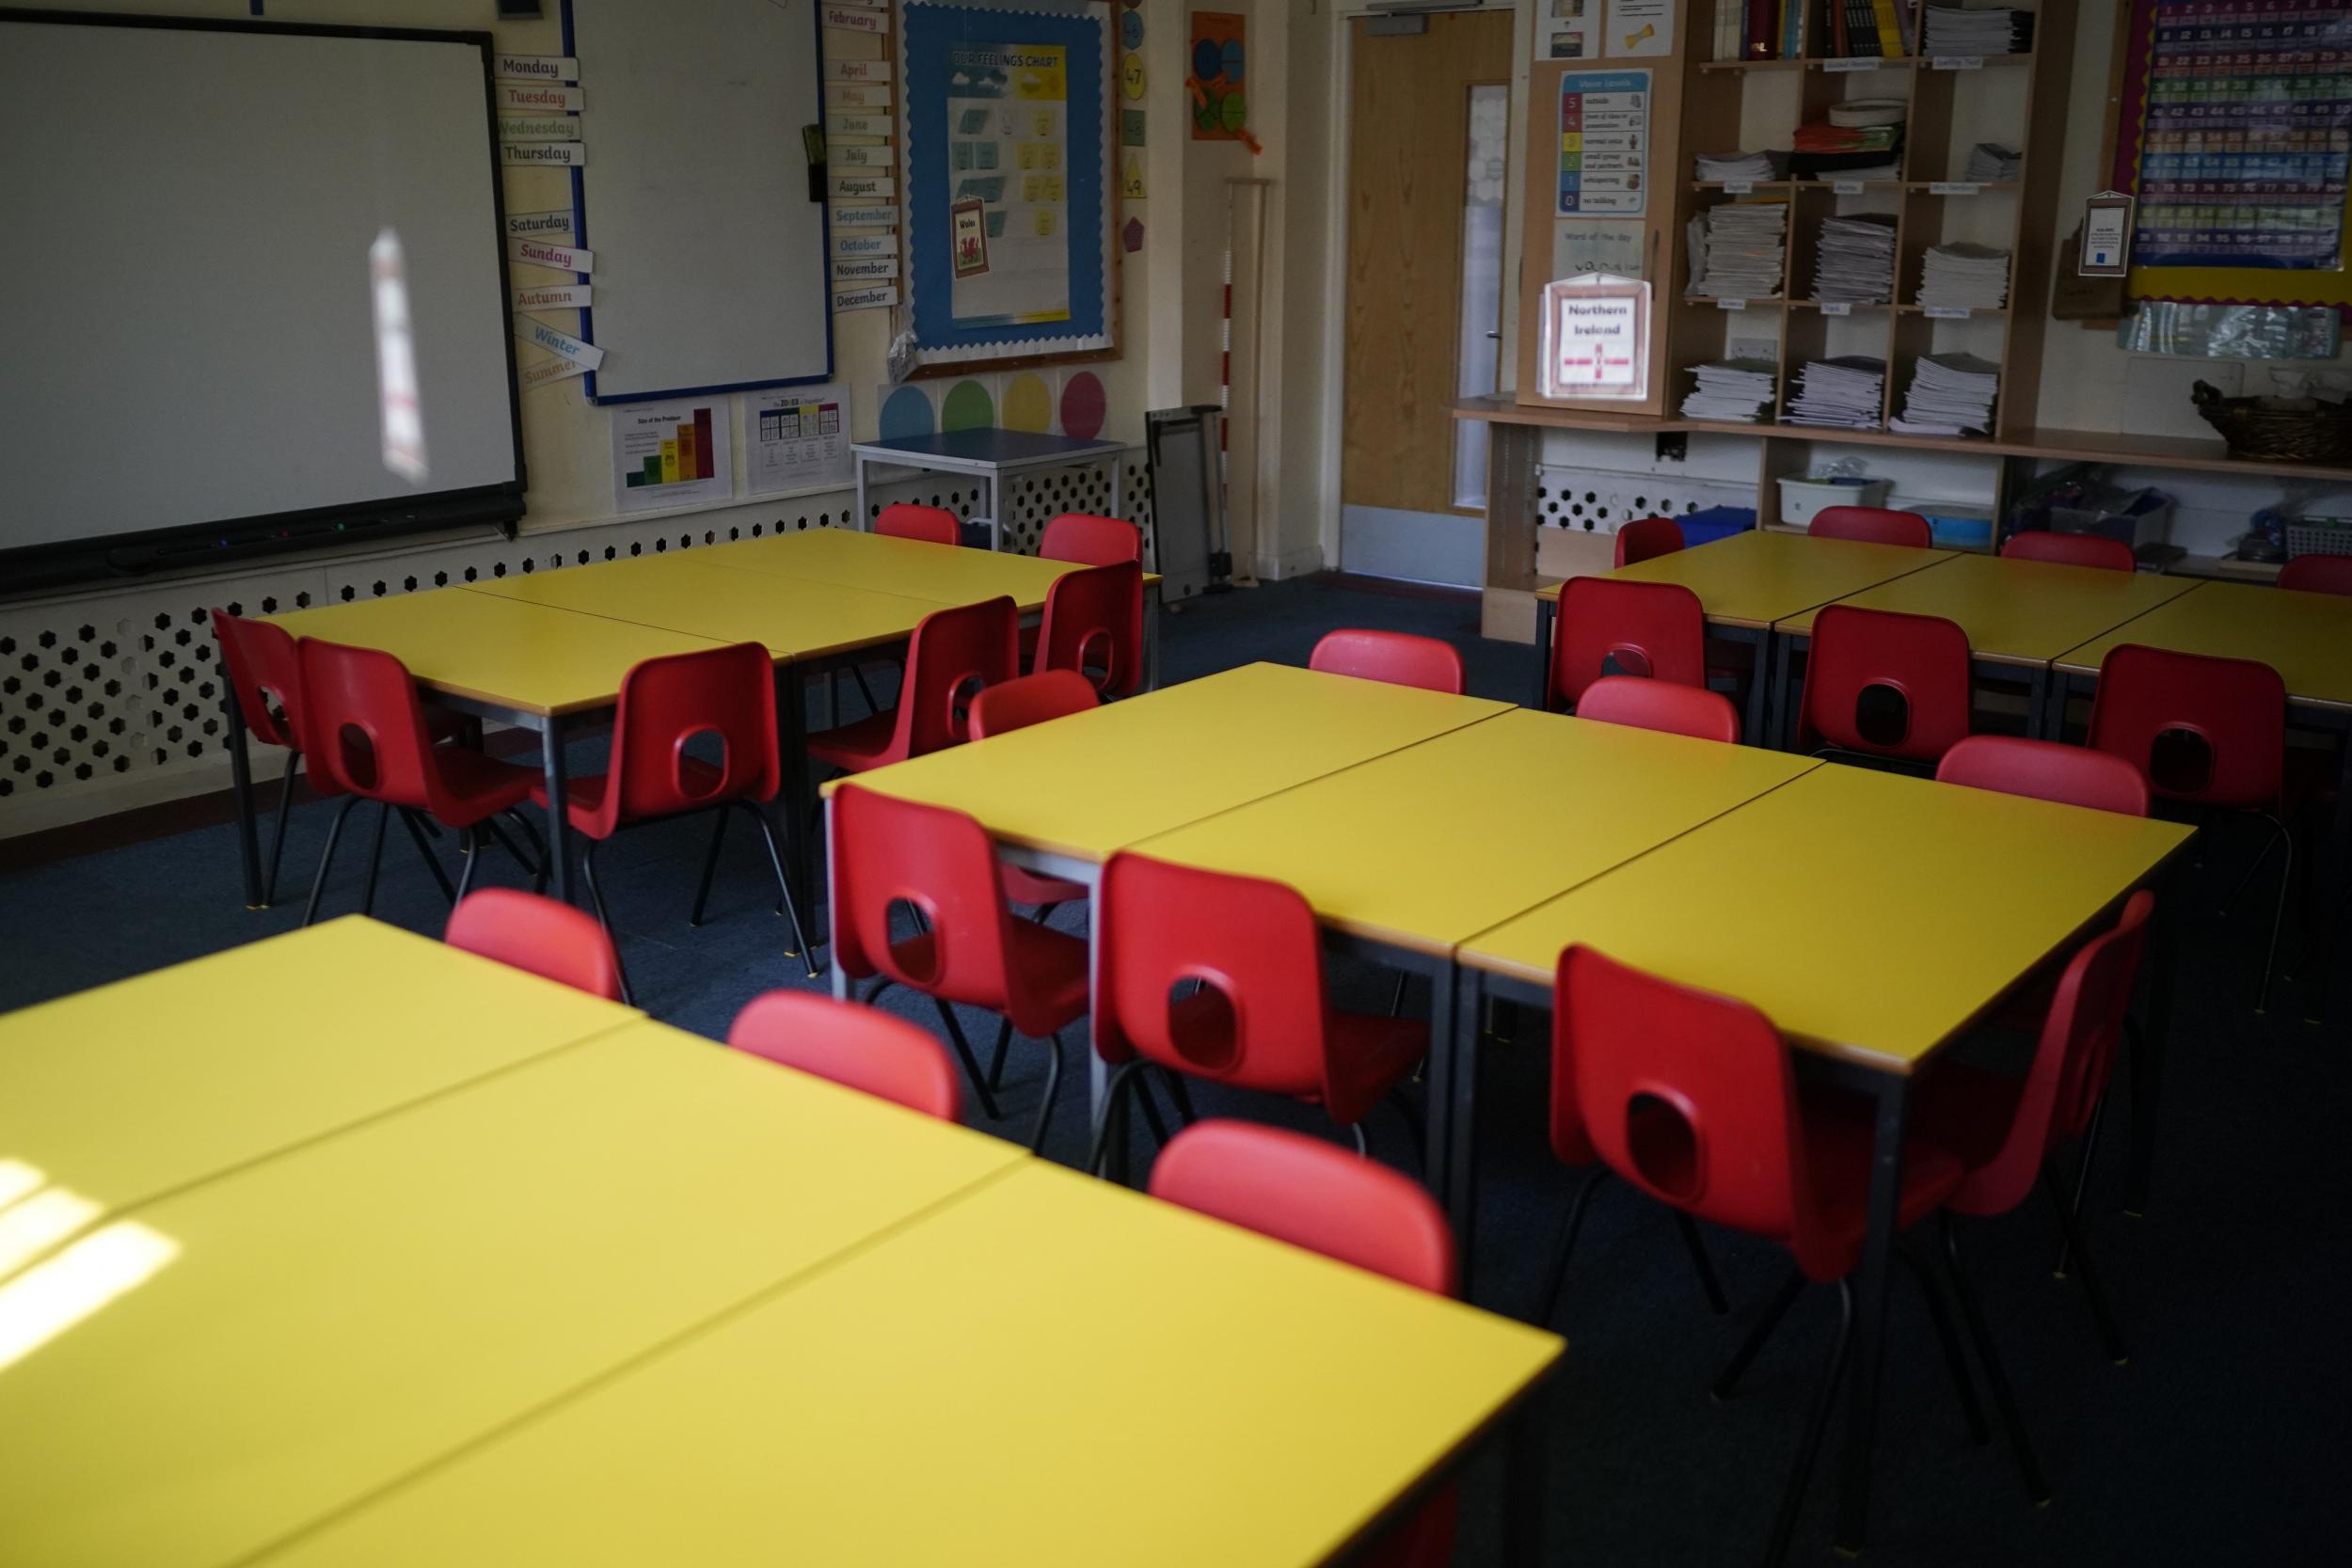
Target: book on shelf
point(1759, 39)
point(1792, 29)
point(1841, 39)
point(1862, 34)
point(1889, 31)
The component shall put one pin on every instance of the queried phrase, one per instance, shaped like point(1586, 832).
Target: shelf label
point(1850, 63)
point(1838, 307)
point(1947, 312)
point(1731, 305)
point(1951, 188)
point(1957, 62)
point(1846, 187)
point(1738, 187)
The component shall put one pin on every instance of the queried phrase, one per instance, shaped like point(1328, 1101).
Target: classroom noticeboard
point(1008, 203)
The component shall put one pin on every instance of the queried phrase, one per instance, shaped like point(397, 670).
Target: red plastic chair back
point(266, 671)
point(858, 1047)
point(2070, 550)
point(1090, 540)
point(1257, 1018)
point(2304, 574)
point(1688, 1096)
point(888, 852)
point(1872, 525)
point(933, 525)
point(2072, 1063)
point(1093, 624)
point(366, 730)
point(1890, 685)
point(2208, 731)
point(1398, 658)
point(1648, 538)
point(1312, 1195)
point(524, 930)
point(724, 698)
point(1031, 700)
point(953, 654)
point(2073, 775)
point(1610, 626)
point(1690, 710)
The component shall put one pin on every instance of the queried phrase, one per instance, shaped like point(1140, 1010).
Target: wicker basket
point(2320, 435)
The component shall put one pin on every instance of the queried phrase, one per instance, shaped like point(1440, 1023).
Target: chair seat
point(1048, 970)
point(1966, 1112)
point(1370, 1054)
point(1023, 886)
point(1727, 660)
point(855, 748)
point(483, 786)
point(584, 794)
point(1838, 1138)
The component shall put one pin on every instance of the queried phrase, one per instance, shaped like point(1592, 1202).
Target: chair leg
point(1151, 1112)
point(1396, 1002)
point(2278, 918)
point(710, 866)
point(996, 1058)
point(410, 820)
point(540, 863)
point(2004, 1401)
point(278, 834)
point(1180, 1096)
point(2277, 832)
point(1355, 1130)
point(1948, 1339)
point(970, 1066)
point(784, 887)
point(2082, 1173)
point(1569, 1226)
point(327, 858)
point(1774, 1310)
point(865, 691)
point(375, 859)
point(1419, 1135)
point(468, 854)
point(491, 825)
point(1053, 1090)
point(596, 902)
point(1702, 1264)
point(1809, 1445)
point(2110, 1337)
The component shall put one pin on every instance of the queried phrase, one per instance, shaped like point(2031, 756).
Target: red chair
point(2070, 550)
point(932, 525)
point(369, 737)
point(1662, 705)
point(1016, 704)
point(1398, 657)
point(952, 654)
point(1302, 1191)
point(1090, 540)
point(1872, 525)
point(2003, 1129)
point(2071, 775)
point(860, 1048)
point(1255, 1014)
point(2318, 574)
point(1692, 1098)
point(965, 945)
point(1648, 538)
point(724, 698)
point(1884, 685)
point(1614, 627)
point(2208, 733)
point(266, 672)
point(552, 939)
point(1093, 624)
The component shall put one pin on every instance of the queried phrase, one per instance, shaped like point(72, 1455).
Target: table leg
point(1454, 1006)
point(559, 819)
point(798, 794)
point(2332, 865)
point(241, 779)
point(1151, 613)
point(1759, 689)
point(1869, 1333)
point(839, 977)
point(2147, 1065)
point(1546, 612)
point(1523, 1480)
point(865, 519)
point(2038, 703)
point(1784, 693)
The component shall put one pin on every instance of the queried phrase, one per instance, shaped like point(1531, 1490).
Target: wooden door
point(1408, 161)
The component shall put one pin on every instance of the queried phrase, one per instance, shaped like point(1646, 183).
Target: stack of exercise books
point(1740, 250)
point(1751, 167)
point(1844, 392)
point(1855, 265)
point(1988, 163)
point(1735, 391)
point(1951, 394)
point(1964, 276)
point(1965, 31)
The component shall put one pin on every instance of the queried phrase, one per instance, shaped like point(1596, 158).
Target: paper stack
point(1743, 250)
point(1736, 165)
point(1988, 163)
point(1842, 392)
point(1965, 276)
point(1736, 391)
point(1856, 263)
point(1952, 394)
point(1955, 30)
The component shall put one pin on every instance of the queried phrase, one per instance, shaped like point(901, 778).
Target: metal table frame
point(1109, 454)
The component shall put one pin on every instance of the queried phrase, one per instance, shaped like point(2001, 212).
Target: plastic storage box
point(2139, 517)
point(1800, 498)
point(1956, 525)
point(1708, 524)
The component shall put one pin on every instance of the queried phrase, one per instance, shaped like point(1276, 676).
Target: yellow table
point(2306, 637)
point(128, 1093)
point(1873, 916)
point(2017, 612)
point(1050, 1371)
point(1066, 794)
point(338, 1318)
point(941, 573)
point(1748, 582)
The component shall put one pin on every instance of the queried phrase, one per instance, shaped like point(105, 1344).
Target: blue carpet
point(2216, 1442)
